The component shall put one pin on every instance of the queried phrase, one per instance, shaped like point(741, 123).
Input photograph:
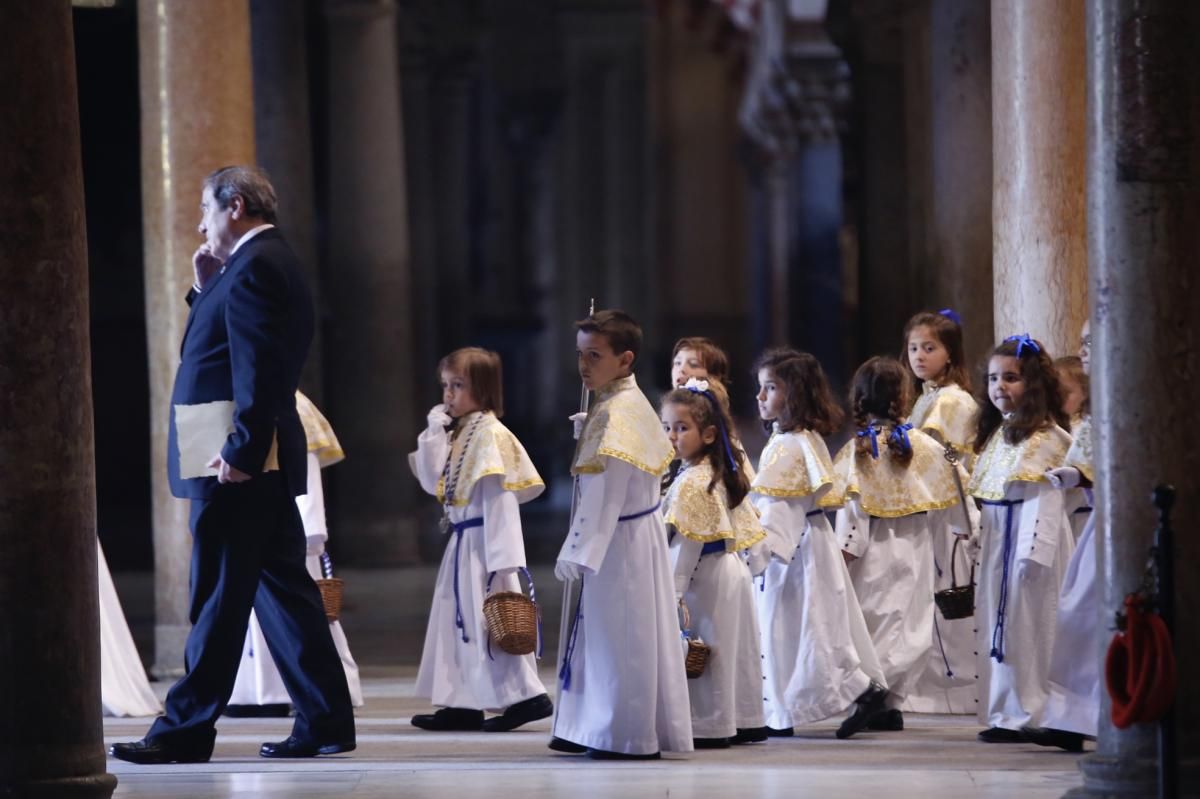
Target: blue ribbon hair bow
point(952, 315)
point(1024, 342)
point(899, 436)
point(871, 431)
point(720, 423)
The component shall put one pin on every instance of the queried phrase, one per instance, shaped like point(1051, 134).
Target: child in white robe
point(700, 358)
point(1025, 537)
point(1073, 376)
point(897, 492)
point(946, 410)
point(259, 689)
point(480, 474)
point(709, 521)
point(818, 659)
point(1072, 711)
point(622, 686)
point(124, 689)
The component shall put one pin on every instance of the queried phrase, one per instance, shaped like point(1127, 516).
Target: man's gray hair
point(251, 183)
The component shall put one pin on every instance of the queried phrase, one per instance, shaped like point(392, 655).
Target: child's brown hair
point(1070, 369)
point(1041, 403)
point(711, 409)
point(809, 404)
point(947, 329)
point(715, 361)
point(482, 369)
point(621, 330)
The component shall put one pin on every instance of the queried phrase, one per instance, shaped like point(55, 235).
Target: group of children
point(811, 578)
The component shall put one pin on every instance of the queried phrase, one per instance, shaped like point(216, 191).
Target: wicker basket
point(958, 601)
point(512, 619)
point(331, 596)
point(698, 652)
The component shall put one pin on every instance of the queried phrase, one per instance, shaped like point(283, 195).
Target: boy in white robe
point(623, 690)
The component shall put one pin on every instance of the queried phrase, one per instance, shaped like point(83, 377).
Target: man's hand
point(205, 265)
point(227, 473)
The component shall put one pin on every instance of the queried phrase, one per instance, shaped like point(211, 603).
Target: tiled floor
point(936, 757)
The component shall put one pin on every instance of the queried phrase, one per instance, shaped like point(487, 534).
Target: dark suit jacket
point(246, 339)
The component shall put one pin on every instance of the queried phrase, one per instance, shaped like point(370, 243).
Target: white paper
point(201, 431)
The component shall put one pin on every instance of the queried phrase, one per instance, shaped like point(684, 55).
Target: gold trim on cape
point(704, 516)
point(493, 450)
point(795, 464)
point(623, 425)
point(1002, 463)
point(319, 432)
point(948, 413)
point(1080, 453)
point(888, 489)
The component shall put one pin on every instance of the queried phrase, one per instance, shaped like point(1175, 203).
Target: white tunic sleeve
point(601, 498)
point(1042, 524)
point(504, 546)
point(784, 522)
point(685, 556)
point(427, 463)
point(852, 528)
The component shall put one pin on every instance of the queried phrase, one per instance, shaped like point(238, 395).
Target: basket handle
point(537, 609)
point(953, 562)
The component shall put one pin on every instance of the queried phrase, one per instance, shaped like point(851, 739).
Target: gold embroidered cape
point(795, 464)
point(319, 433)
point(1080, 453)
point(705, 516)
point(493, 449)
point(886, 488)
point(1001, 463)
point(947, 413)
point(623, 425)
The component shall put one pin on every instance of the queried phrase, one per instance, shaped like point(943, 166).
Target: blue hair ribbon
point(720, 424)
point(1024, 342)
point(952, 315)
point(870, 431)
point(899, 436)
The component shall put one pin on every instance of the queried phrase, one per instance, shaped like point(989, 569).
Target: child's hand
point(1063, 477)
point(567, 571)
point(846, 556)
point(578, 420)
point(438, 418)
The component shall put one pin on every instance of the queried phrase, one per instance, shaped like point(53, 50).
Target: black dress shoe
point(148, 753)
point(269, 711)
point(711, 743)
point(869, 702)
point(294, 747)
point(563, 745)
point(1048, 736)
point(750, 735)
point(450, 718)
point(539, 707)
point(604, 754)
point(999, 735)
point(780, 732)
point(886, 721)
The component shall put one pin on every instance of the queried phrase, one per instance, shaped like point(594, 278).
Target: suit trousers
point(248, 550)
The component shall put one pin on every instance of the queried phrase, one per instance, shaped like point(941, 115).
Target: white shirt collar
point(249, 234)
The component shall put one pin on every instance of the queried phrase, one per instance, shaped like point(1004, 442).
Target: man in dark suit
point(247, 336)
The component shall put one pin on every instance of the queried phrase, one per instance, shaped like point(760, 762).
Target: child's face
point(687, 438)
point(927, 355)
point(598, 364)
point(772, 399)
point(687, 364)
point(1005, 384)
point(1085, 347)
point(1072, 395)
point(457, 396)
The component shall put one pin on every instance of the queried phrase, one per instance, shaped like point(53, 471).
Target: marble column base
point(96, 786)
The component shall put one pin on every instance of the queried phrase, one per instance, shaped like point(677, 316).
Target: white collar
point(249, 234)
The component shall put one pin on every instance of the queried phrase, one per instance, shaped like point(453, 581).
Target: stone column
point(50, 638)
point(370, 341)
point(960, 198)
point(197, 116)
point(1038, 217)
point(283, 139)
point(1143, 149)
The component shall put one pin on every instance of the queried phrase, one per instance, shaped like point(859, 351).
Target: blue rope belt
point(997, 652)
point(458, 531)
point(564, 673)
point(713, 548)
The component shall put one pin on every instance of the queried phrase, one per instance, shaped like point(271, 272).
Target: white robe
point(124, 689)
point(1075, 681)
point(720, 599)
point(816, 652)
point(628, 691)
point(1012, 693)
point(893, 576)
point(454, 672)
point(258, 681)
